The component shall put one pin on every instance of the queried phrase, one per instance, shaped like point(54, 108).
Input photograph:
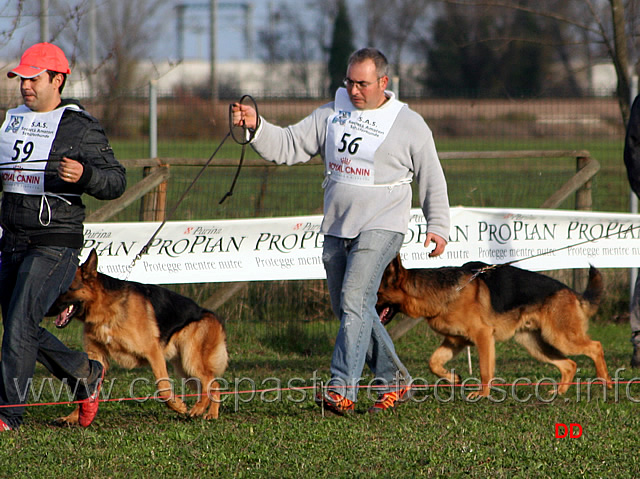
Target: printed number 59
point(352, 146)
point(21, 149)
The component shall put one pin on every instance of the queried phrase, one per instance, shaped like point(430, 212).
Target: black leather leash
point(247, 136)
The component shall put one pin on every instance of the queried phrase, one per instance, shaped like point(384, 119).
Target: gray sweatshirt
point(407, 151)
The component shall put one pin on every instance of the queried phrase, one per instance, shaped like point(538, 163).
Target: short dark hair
point(369, 53)
point(52, 75)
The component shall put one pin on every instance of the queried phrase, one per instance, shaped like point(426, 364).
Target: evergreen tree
point(341, 47)
point(526, 62)
point(458, 62)
point(485, 55)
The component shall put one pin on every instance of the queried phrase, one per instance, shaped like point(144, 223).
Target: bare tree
point(303, 49)
point(11, 10)
point(296, 33)
point(126, 32)
point(391, 24)
point(620, 56)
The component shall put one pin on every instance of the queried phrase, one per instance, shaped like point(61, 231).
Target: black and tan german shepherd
point(475, 304)
point(137, 324)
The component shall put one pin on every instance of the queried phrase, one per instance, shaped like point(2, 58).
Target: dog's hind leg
point(214, 365)
point(199, 383)
point(193, 383)
point(543, 351)
point(577, 342)
point(163, 384)
point(450, 347)
point(564, 327)
point(595, 351)
point(203, 355)
point(214, 391)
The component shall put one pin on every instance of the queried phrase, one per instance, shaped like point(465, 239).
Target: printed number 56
point(20, 149)
point(352, 146)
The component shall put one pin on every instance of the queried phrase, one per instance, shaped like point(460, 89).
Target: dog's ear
point(397, 264)
point(391, 273)
point(398, 269)
point(90, 266)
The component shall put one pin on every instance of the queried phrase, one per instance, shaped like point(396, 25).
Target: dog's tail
point(594, 292)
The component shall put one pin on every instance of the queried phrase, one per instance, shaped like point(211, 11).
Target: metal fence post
point(152, 206)
point(633, 206)
point(584, 202)
point(153, 119)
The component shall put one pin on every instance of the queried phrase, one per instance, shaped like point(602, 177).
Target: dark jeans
point(30, 282)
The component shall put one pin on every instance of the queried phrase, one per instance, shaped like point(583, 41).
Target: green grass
point(286, 435)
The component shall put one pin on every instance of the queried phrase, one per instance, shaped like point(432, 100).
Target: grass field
point(284, 434)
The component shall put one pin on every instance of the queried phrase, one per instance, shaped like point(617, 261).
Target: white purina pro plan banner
point(290, 248)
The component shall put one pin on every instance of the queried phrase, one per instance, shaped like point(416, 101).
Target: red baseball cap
point(39, 58)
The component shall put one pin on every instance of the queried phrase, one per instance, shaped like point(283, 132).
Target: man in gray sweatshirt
point(373, 147)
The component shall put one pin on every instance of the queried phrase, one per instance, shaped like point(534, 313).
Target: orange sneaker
point(4, 426)
point(388, 401)
point(89, 407)
point(335, 403)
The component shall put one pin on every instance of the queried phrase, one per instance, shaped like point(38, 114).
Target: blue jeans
point(30, 282)
point(354, 270)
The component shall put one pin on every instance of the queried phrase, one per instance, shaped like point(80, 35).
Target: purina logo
point(14, 124)
point(342, 117)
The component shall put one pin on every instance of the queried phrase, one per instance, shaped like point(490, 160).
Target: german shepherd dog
point(477, 304)
point(137, 324)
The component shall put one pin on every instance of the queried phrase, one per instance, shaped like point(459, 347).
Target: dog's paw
point(70, 420)
point(211, 415)
point(201, 406)
point(478, 394)
point(198, 409)
point(177, 405)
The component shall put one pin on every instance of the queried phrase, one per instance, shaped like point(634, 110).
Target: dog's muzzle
point(386, 313)
point(66, 315)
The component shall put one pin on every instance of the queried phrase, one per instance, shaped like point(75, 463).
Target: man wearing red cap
point(51, 152)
